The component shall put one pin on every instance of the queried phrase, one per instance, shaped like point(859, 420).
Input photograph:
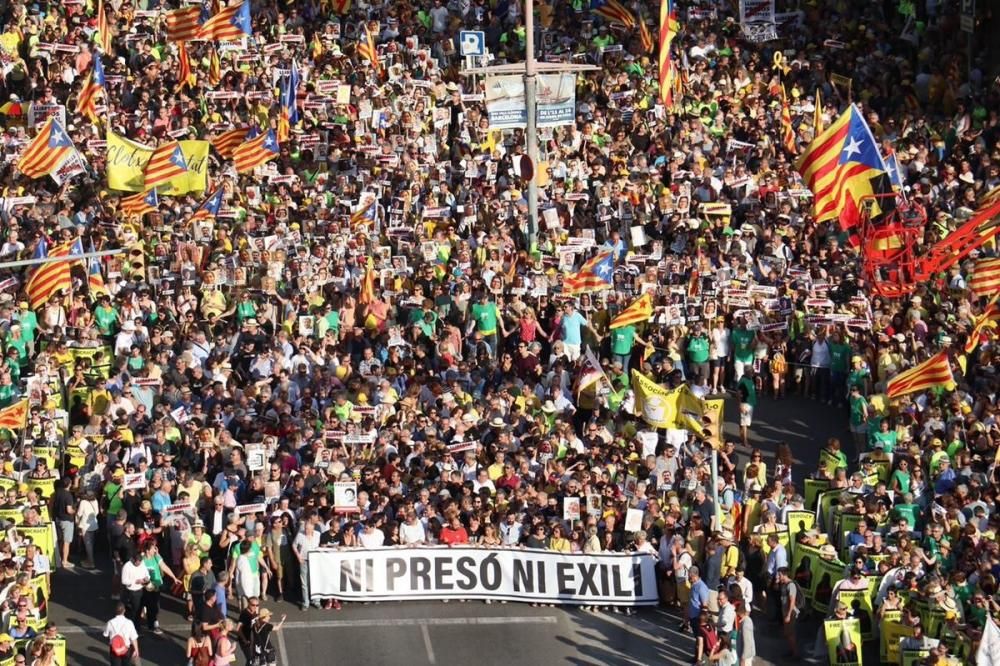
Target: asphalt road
point(435, 633)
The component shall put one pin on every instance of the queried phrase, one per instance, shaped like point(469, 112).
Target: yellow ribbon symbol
point(779, 63)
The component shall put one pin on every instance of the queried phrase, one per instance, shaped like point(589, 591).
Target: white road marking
point(282, 651)
point(184, 629)
point(427, 644)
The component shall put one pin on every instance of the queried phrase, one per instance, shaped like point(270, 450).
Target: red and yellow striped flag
point(668, 71)
point(613, 12)
point(14, 417)
point(987, 320)
point(214, 69)
point(645, 37)
point(186, 76)
point(46, 281)
point(183, 24)
point(368, 51)
point(985, 279)
point(227, 142)
point(638, 312)
point(103, 29)
point(46, 151)
point(787, 131)
point(935, 371)
point(166, 163)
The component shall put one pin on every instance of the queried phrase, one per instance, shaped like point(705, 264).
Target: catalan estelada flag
point(227, 142)
point(183, 24)
point(638, 312)
point(985, 278)
point(613, 12)
point(289, 115)
point(14, 417)
point(669, 27)
point(46, 281)
point(166, 163)
point(892, 170)
point(256, 151)
point(365, 212)
point(984, 322)
point(839, 167)
point(591, 372)
point(95, 280)
point(231, 23)
point(46, 151)
point(209, 208)
point(368, 50)
point(86, 103)
point(140, 204)
point(103, 29)
point(935, 371)
point(595, 275)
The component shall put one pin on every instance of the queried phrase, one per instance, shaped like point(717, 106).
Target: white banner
point(464, 572)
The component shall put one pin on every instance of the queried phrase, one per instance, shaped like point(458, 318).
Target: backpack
point(800, 596)
point(119, 647)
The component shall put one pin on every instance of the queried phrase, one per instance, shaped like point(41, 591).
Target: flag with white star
point(842, 167)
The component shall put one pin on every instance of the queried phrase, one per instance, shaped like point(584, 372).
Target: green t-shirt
point(698, 349)
point(840, 357)
point(486, 318)
point(904, 486)
point(153, 567)
point(113, 492)
point(858, 378)
point(105, 319)
point(751, 391)
point(333, 320)
point(743, 345)
point(622, 340)
point(858, 410)
point(29, 324)
point(888, 440)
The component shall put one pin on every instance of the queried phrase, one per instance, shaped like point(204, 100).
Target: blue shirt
point(220, 599)
point(776, 559)
point(699, 599)
point(572, 325)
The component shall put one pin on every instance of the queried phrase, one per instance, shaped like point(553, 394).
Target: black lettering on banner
point(442, 574)
point(467, 573)
point(564, 578)
point(619, 591)
point(637, 580)
point(524, 576)
point(540, 567)
point(420, 570)
point(350, 576)
point(490, 565)
point(587, 574)
point(395, 567)
point(604, 580)
point(369, 575)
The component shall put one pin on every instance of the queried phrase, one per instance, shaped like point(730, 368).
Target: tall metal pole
point(715, 489)
point(531, 131)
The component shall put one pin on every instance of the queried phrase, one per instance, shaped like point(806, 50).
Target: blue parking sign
point(472, 43)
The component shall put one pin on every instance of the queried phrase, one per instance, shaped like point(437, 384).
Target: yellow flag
point(127, 161)
point(818, 116)
point(655, 404)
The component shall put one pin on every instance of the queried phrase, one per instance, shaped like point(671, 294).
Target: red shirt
point(451, 536)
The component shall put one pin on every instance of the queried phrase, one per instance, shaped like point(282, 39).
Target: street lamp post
point(531, 131)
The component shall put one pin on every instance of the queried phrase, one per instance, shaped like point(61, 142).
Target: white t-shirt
point(120, 625)
point(409, 534)
point(373, 539)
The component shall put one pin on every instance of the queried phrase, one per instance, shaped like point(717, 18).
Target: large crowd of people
point(378, 278)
